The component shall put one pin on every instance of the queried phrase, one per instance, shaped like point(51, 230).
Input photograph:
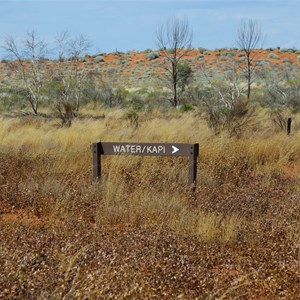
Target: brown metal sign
point(146, 149)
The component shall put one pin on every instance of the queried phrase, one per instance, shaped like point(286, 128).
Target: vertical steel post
point(289, 125)
point(193, 165)
point(96, 161)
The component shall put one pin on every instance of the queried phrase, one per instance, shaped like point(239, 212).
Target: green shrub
point(262, 62)
point(289, 50)
point(133, 118)
point(137, 103)
point(202, 50)
point(99, 59)
point(152, 55)
point(186, 107)
point(273, 55)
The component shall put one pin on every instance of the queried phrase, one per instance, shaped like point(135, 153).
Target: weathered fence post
point(96, 160)
point(193, 166)
point(289, 125)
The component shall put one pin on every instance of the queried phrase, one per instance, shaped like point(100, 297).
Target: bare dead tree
point(174, 40)
point(249, 36)
point(25, 59)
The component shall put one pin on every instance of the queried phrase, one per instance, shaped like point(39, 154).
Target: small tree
point(174, 41)
point(282, 86)
point(224, 99)
point(26, 60)
point(70, 74)
point(248, 37)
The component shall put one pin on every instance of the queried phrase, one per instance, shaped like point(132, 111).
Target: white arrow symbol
point(174, 149)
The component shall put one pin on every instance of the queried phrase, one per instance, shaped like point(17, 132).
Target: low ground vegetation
point(138, 233)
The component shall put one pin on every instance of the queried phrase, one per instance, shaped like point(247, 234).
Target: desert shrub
point(273, 55)
point(66, 114)
point(13, 99)
point(233, 120)
point(283, 50)
point(111, 71)
point(202, 50)
point(186, 107)
point(118, 53)
point(224, 102)
point(229, 54)
point(279, 118)
point(298, 57)
point(157, 99)
point(137, 102)
point(133, 118)
point(113, 97)
point(281, 89)
point(185, 75)
point(152, 55)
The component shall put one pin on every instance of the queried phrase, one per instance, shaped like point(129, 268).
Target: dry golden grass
point(138, 233)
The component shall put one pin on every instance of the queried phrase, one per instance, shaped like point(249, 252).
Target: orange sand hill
point(133, 67)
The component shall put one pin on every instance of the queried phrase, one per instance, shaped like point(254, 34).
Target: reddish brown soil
point(112, 59)
point(212, 57)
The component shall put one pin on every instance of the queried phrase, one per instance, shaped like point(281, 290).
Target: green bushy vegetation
point(273, 55)
point(152, 55)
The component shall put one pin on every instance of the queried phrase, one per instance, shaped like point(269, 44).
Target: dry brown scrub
point(138, 234)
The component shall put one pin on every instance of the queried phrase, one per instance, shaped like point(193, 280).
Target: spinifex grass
point(139, 225)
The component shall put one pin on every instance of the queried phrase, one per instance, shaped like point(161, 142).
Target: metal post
point(289, 125)
point(193, 165)
point(96, 161)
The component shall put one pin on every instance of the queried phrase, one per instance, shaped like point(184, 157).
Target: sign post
point(146, 149)
point(289, 125)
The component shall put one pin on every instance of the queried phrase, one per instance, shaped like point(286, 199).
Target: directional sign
point(146, 149)
point(175, 149)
